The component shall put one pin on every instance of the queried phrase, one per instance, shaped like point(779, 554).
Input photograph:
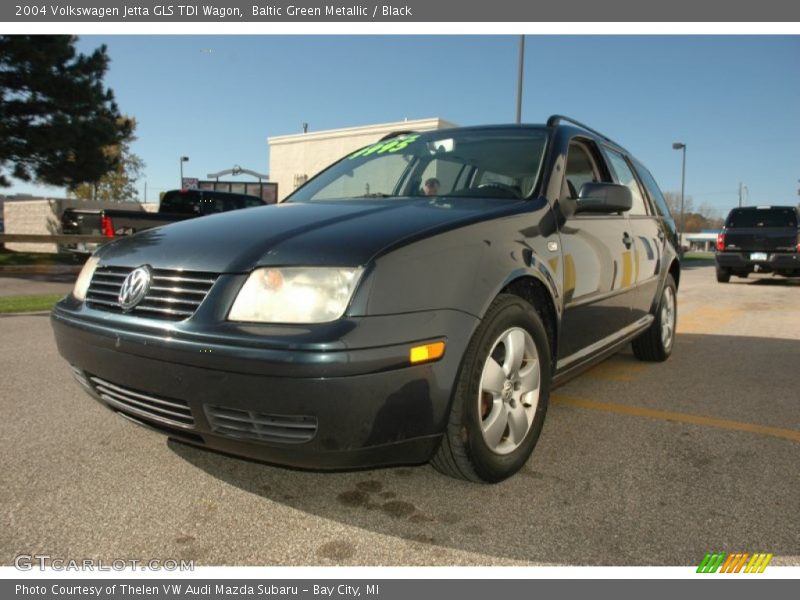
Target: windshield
point(486, 163)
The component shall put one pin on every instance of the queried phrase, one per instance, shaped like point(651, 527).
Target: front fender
point(464, 269)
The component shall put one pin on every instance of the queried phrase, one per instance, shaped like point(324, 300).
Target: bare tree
point(118, 185)
point(674, 202)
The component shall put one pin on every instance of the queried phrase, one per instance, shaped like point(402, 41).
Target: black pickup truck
point(176, 205)
point(761, 239)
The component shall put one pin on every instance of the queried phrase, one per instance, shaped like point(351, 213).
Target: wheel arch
point(675, 271)
point(536, 293)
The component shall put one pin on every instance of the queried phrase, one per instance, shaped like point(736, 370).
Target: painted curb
point(40, 269)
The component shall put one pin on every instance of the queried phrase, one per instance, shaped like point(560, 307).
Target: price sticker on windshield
point(393, 145)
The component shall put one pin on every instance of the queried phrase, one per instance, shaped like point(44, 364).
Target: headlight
point(295, 295)
point(85, 278)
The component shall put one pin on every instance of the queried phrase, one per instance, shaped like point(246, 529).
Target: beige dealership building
point(293, 159)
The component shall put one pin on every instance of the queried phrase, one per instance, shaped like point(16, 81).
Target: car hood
point(333, 233)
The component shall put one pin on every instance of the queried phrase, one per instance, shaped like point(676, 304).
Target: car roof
point(220, 192)
point(554, 124)
point(764, 207)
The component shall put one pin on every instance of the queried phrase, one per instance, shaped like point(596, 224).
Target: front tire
point(655, 344)
point(501, 396)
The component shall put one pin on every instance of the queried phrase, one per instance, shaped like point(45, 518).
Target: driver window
point(580, 169)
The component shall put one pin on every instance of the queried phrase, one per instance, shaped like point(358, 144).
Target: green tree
point(57, 119)
point(119, 184)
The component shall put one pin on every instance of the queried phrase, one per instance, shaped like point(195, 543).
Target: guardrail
point(31, 238)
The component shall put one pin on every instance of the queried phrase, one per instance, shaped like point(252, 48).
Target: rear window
point(762, 217)
point(205, 202)
point(181, 203)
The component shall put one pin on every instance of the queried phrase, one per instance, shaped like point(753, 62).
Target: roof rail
point(556, 119)
point(396, 133)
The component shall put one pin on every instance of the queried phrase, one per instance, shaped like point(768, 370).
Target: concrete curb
point(35, 313)
point(40, 269)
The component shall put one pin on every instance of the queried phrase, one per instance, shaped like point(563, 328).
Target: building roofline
point(377, 128)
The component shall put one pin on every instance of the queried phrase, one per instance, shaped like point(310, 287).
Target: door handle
point(627, 240)
point(661, 235)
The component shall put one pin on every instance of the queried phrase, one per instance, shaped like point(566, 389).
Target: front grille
point(173, 295)
point(165, 410)
point(261, 427)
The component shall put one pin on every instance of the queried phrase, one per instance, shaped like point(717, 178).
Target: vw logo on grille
point(135, 287)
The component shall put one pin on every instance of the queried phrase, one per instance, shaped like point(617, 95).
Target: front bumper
point(775, 262)
point(354, 401)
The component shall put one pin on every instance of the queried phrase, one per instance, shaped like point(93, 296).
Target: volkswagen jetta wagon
point(416, 301)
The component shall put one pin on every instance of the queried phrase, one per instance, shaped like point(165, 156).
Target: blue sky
point(734, 100)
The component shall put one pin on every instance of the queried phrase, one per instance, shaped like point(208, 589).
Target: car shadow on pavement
point(696, 263)
point(764, 280)
point(603, 488)
point(777, 281)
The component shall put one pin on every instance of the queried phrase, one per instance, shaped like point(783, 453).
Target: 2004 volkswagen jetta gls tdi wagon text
point(415, 301)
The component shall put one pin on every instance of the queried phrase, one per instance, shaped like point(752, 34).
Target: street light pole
point(183, 159)
point(742, 189)
point(681, 146)
point(519, 77)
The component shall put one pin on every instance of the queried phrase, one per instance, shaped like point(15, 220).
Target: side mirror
point(604, 198)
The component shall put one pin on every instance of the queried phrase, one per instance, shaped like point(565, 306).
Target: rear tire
point(655, 344)
point(723, 275)
point(501, 395)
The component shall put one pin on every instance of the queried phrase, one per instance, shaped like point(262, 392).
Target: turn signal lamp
point(426, 353)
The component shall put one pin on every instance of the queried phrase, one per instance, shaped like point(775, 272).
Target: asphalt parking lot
point(638, 464)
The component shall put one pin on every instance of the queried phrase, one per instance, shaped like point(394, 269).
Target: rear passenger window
point(653, 190)
point(625, 176)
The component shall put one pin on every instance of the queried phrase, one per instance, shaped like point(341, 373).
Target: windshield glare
point(468, 163)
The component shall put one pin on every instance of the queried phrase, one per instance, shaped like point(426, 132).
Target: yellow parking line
point(707, 319)
point(638, 411)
